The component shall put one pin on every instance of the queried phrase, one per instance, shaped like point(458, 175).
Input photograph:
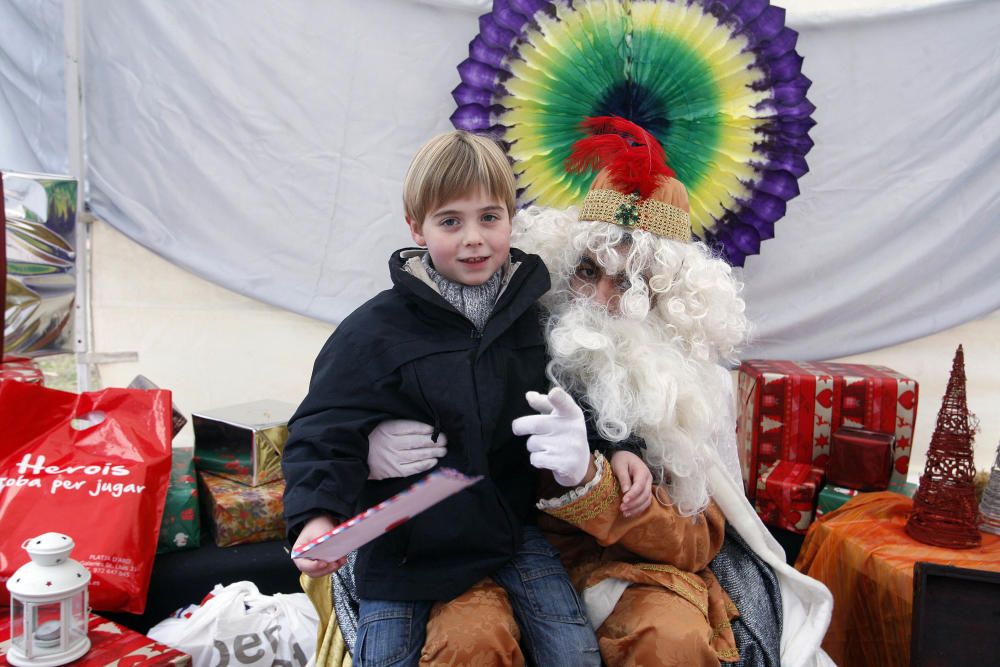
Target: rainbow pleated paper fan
point(718, 82)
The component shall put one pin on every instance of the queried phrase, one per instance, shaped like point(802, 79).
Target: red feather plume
point(634, 158)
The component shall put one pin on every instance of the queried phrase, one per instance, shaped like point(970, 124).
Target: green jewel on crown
point(627, 214)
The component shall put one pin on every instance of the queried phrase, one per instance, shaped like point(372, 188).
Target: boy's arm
point(325, 457)
point(635, 480)
point(626, 463)
point(312, 529)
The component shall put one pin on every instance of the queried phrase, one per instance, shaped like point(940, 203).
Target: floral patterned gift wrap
point(240, 514)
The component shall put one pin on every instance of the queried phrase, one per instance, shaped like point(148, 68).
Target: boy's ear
point(415, 232)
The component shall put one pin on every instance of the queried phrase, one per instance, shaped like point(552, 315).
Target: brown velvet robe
point(674, 611)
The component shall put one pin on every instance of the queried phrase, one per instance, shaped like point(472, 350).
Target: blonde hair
point(453, 165)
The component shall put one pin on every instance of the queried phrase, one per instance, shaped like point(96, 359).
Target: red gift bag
point(94, 466)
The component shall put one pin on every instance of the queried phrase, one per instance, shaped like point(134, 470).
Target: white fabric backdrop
point(262, 146)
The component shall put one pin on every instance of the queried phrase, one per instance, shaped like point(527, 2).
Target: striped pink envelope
point(385, 516)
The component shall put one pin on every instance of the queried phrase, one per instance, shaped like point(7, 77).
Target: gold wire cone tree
point(945, 512)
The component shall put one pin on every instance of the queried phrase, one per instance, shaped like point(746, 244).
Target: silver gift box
point(242, 442)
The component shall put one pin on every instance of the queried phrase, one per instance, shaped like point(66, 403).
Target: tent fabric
point(262, 146)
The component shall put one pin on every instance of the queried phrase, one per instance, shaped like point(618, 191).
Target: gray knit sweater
point(474, 301)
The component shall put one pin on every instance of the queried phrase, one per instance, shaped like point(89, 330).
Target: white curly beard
point(652, 370)
point(639, 381)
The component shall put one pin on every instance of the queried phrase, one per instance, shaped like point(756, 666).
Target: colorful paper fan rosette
point(717, 81)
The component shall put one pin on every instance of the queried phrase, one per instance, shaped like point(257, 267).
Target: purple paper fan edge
point(784, 141)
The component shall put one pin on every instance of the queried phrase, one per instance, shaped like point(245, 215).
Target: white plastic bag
point(237, 625)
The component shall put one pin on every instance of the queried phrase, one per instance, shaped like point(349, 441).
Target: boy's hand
point(313, 529)
point(636, 482)
point(557, 437)
point(400, 448)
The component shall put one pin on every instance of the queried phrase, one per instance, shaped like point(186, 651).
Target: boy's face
point(468, 238)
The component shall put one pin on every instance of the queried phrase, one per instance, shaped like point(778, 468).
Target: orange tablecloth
point(864, 556)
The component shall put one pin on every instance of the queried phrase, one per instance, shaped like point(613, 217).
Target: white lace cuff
point(578, 492)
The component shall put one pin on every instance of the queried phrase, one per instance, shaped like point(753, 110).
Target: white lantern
point(48, 605)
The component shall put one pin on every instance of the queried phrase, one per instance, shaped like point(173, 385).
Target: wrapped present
point(111, 644)
point(790, 410)
point(831, 497)
point(22, 369)
point(242, 442)
point(240, 514)
point(786, 495)
point(860, 459)
point(181, 525)
point(39, 281)
point(178, 420)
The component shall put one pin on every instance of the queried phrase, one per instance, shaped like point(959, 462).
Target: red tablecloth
point(111, 644)
point(864, 556)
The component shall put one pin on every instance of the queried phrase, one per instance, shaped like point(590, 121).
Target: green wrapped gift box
point(181, 526)
point(832, 497)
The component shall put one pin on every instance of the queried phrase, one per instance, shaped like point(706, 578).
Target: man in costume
point(639, 319)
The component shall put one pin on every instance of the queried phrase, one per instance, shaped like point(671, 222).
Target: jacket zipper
point(427, 406)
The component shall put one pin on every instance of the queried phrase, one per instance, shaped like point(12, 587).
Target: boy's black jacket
point(409, 354)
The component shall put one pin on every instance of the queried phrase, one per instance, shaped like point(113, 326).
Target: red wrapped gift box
point(860, 459)
point(786, 495)
point(789, 411)
point(22, 369)
point(110, 644)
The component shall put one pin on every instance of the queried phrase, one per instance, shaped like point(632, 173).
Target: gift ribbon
point(791, 482)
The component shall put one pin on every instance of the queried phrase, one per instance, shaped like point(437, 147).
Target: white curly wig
point(652, 368)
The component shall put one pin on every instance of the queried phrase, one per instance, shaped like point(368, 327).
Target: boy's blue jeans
point(554, 629)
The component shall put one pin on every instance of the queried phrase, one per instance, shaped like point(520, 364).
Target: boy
point(455, 342)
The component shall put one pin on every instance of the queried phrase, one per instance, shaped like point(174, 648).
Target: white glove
point(558, 436)
point(401, 447)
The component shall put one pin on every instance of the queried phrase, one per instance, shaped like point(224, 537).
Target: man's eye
point(622, 283)
point(586, 272)
point(490, 217)
point(449, 222)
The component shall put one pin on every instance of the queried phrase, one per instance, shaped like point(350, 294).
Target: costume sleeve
point(325, 461)
point(659, 535)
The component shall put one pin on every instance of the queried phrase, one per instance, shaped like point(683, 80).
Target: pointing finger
point(563, 403)
point(539, 402)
